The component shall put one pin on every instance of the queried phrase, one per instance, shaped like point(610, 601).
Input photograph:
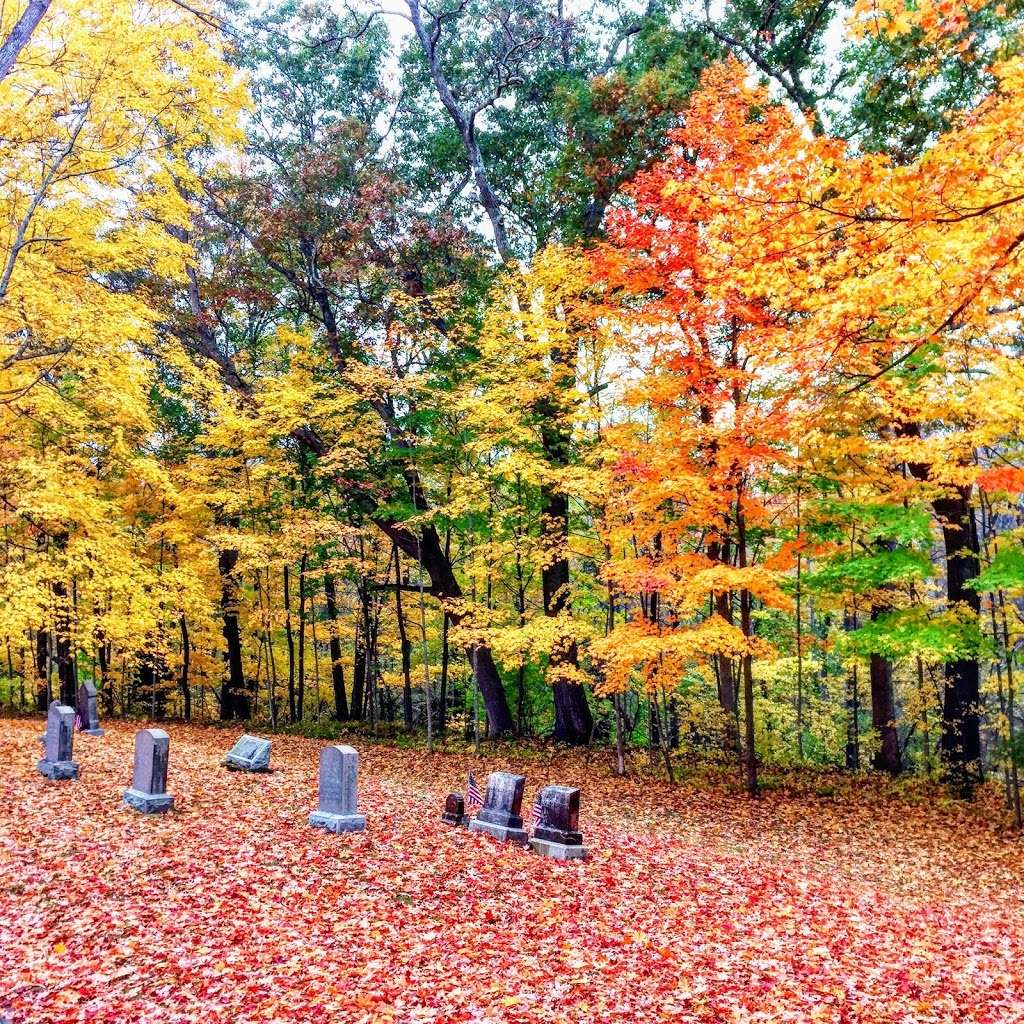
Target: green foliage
point(863, 573)
point(906, 632)
point(831, 520)
point(1004, 572)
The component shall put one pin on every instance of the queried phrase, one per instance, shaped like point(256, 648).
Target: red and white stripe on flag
point(537, 812)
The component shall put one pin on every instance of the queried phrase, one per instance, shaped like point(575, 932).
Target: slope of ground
point(696, 905)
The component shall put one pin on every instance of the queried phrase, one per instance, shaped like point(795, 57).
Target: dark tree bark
point(183, 683)
point(235, 694)
point(573, 720)
point(42, 657)
point(960, 742)
point(361, 661)
point(406, 646)
point(853, 708)
point(746, 664)
point(883, 715)
point(728, 697)
point(291, 644)
point(300, 693)
point(106, 679)
point(337, 669)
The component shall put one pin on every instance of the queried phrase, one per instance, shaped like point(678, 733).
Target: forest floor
point(850, 905)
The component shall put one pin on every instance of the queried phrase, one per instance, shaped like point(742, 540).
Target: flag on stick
point(78, 723)
point(473, 797)
point(537, 812)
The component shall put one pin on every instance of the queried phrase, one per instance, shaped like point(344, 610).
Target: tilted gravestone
point(58, 743)
point(148, 791)
point(339, 775)
point(249, 754)
point(454, 810)
point(42, 735)
point(557, 833)
point(88, 717)
point(503, 804)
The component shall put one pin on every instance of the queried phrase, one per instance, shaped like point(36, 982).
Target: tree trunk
point(235, 698)
point(853, 707)
point(883, 712)
point(20, 34)
point(726, 677)
point(337, 669)
point(747, 667)
point(186, 656)
point(405, 644)
point(442, 713)
point(444, 585)
point(291, 643)
point(42, 657)
point(300, 693)
point(573, 721)
point(361, 662)
point(960, 742)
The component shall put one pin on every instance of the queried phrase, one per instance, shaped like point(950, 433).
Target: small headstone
point(148, 792)
point(58, 742)
point(454, 810)
point(249, 754)
point(503, 804)
point(88, 718)
point(339, 774)
point(557, 834)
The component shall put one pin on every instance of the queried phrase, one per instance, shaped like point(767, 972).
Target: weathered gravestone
point(42, 735)
point(503, 804)
point(454, 810)
point(58, 742)
point(148, 792)
point(88, 718)
point(557, 833)
point(339, 774)
point(249, 754)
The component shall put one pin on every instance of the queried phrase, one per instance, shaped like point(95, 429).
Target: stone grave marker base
point(58, 769)
point(559, 851)
point(148, 803)
point(92, 732)
point(338, 822)
point(502, 832)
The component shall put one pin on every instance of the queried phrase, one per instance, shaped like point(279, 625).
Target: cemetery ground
point(862, 904)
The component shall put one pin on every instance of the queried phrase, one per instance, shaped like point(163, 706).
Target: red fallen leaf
point(696, 906)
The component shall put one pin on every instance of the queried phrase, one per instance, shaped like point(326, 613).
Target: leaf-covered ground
point(696, 905)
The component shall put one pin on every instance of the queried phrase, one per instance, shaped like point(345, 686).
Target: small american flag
point(78, 723)
point(537, 812)
point(473, 797)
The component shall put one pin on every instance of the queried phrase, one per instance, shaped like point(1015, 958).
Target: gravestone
point(503, 804)
point(557, 834)
point(249, 754)
point(148, 792)
point(339, 774)
point(454, 810)
point(42, 736)
point(88, 718)
point(58, 742)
